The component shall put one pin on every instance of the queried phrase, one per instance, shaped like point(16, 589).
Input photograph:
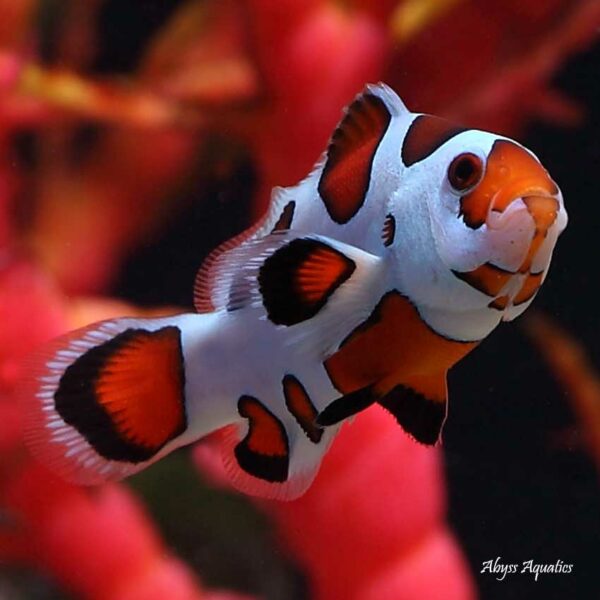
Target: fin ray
point(215, 273)
point(105, 401)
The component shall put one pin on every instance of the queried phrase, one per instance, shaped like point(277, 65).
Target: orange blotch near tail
point(298, 279)
point(320, 273)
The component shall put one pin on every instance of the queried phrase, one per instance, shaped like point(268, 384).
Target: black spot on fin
point(297, 280)
point(421, 417)
point(346, 406)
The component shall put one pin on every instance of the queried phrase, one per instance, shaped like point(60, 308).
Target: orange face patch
point(529, 288)
point(347, 173)
point(544, 211)
point(511, 173)
point(499, 303)
point(487, 278)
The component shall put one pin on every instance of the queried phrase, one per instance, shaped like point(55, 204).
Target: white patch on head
point(433, 240)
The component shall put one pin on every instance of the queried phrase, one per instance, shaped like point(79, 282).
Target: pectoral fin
point(419, 406)
point(346, 406)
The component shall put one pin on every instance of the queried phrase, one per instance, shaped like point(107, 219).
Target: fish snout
point(544, 211)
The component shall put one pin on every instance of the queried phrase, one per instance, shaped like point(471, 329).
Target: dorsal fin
point(280, 213)
point(393, 102)
point(213, 275)
point(346, 176)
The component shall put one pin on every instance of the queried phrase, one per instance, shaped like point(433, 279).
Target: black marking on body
point(285, 218)
point(418, 415)
point(425, 135)
point(346, 406)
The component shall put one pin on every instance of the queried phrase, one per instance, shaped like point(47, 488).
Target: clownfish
point(408, 243)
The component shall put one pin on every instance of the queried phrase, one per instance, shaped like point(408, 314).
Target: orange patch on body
point(393, 346)
point(499, 303)
point(140, 386)
point(347, 173)
point(266, 435)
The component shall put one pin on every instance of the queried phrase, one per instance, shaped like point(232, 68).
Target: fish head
point(492, 205)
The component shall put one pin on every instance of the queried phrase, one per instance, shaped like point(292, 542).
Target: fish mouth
point(514, 180)
point(543, 209)
point(541, 206)
point(532, 214)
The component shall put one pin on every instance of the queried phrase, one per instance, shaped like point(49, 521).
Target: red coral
point(373, 520)
point(97, 543)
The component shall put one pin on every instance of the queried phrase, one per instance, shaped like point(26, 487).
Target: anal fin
point(420, 406)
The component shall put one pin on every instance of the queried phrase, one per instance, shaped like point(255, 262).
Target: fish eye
point(465, 171)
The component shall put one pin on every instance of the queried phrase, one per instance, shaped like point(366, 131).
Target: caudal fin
point(107, 400)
